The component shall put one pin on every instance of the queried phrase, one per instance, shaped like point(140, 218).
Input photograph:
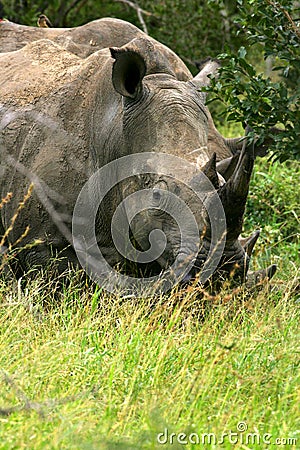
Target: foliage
point(278, 208)
point(252, 98)
point(61, 13)
point(193, 29)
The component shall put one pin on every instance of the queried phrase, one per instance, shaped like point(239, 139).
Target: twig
point(139, 11)
point(64, 10)
point(78, 3)
point(141, 19)
point(42, 195)
point(29, 405)
point(75, 3)
point(79, 6)
point(136, 7)
point(21, 205)
point(287, 15)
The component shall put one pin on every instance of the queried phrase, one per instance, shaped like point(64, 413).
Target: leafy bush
point(260, 101)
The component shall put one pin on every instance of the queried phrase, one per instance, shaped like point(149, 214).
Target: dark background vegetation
point(193, 28)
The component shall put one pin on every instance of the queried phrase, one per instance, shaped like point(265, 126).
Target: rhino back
point(86, 39)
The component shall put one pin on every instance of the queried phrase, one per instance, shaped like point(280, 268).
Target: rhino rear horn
point(234, 193)
point(128, 72)
point(210, 170)
point(249, 242)
point(226, 166)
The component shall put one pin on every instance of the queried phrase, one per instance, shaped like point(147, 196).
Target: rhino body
point(104, 33)
point(70, 105)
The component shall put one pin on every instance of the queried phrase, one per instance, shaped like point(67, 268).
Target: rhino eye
point(158, 191)
point(156, 194)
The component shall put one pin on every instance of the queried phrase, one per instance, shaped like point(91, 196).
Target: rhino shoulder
point(40, 69)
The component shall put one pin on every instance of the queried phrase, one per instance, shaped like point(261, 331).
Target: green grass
point(93, 371)
point(98, 373)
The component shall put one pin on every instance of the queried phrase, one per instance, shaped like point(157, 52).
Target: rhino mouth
point(233, 268)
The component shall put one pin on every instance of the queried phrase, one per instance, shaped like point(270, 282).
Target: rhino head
point(190, 219)
point(165, 119)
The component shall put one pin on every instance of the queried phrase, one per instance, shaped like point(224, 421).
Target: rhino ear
point(128, 72)
point(208, 67)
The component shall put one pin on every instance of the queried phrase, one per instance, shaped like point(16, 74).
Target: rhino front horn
point(234, 193)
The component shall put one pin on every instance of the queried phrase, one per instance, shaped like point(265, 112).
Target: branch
point(141, 19)
point(28, 405)
point(64, 10)
point(287, 15)
point(139, 11)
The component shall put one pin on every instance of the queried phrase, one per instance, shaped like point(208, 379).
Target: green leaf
point(242, 52)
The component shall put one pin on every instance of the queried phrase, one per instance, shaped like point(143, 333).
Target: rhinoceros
point(66, 116)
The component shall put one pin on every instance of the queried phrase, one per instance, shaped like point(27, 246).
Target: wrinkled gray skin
point(64, 116)
point(104, 33)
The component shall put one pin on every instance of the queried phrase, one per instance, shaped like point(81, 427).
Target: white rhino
point(78, 99)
